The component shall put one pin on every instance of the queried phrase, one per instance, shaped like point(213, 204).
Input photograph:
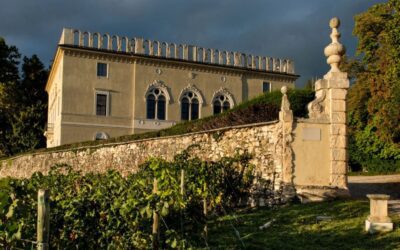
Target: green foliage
point(109, 211)
point(9, 60)
point(23, 102)
point(374, 98)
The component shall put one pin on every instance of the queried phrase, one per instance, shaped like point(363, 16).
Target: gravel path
point(360, 186)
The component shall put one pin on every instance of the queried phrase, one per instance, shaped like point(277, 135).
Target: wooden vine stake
point(182, 193)
point(205, 213)
point(182, 182)
point(43, 220)
point(156, 219)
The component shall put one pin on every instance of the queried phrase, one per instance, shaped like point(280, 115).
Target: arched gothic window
point(156, 104)
point(221, 103)
point(190, 106)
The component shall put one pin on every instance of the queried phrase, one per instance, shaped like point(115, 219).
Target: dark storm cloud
point(287, 28)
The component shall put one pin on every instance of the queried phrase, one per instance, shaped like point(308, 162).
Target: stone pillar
point(139, 49)
point(212, 54)
point(378, 220)
point(67, 36)
point(194, 51)
point(337, 85)
point(151, 47)
point(236, 59)
point(185, 52)
point(159, 49)
point(328, 111)
point(228, 58)
point(286, 120)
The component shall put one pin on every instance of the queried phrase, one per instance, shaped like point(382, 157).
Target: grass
point(296, 227)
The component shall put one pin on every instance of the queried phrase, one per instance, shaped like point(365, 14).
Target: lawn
point(296, 227)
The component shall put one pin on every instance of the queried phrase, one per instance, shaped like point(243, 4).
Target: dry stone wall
point(260, 140)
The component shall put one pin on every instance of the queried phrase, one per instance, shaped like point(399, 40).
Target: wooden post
point(182, 182)
point(43, 220)
point(155, 219)
point(205, 214)
point(183, 195)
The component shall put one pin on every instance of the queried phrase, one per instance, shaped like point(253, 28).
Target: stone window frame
point(108, 104)
point(196, 94)
point(192, 98)
point(157, 84)
point(269, 87)
point(222, 96)
point(107, 70)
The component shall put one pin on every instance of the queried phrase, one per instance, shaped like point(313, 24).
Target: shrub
point(108, 211)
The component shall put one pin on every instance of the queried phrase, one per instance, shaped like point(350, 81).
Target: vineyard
point(164, 203)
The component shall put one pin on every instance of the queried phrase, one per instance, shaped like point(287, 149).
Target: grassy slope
point(296, 228)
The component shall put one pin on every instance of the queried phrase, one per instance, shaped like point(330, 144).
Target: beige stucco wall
point(81, 81)
point(176, 79)
point(311, 157)
point(127, 82)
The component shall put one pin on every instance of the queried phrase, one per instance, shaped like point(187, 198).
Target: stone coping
point(378, 196)
point(259, 124)
point(186, 52)
point(221, 66)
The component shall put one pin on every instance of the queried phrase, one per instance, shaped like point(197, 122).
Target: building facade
point(103, 86)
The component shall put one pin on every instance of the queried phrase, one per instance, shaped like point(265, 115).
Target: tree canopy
point(374, 98)
point(23, 101)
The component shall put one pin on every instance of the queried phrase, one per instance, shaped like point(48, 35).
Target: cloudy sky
point(295, 29)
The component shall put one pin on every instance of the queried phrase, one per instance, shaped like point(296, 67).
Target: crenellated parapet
point(184, 52)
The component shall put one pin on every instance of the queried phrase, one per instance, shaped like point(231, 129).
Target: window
point(220, 104)
point(101, 136)
point(102, 69)
point(266, 87)
point(151, 106)
point(102, 103)
point(189, 106)
point(156, 104)
point(161, 108)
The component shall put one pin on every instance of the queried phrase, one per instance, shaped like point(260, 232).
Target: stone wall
point(258, 139)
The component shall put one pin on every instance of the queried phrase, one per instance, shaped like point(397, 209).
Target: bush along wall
point(108, 211)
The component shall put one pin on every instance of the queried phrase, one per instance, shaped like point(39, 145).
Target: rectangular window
point(102, 104)
point(102, 69)
point(266, 87)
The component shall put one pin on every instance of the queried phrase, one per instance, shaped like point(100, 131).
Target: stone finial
point(285, 105)
point(335, 50)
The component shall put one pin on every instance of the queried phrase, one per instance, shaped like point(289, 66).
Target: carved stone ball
point(284, 90)
point(334, 23)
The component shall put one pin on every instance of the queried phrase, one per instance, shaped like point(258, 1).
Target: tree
point(9, 60)
point(374, 98)
point(23, 102)
point(378, 31)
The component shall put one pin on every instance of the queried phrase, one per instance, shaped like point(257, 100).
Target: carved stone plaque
point(311, 134)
